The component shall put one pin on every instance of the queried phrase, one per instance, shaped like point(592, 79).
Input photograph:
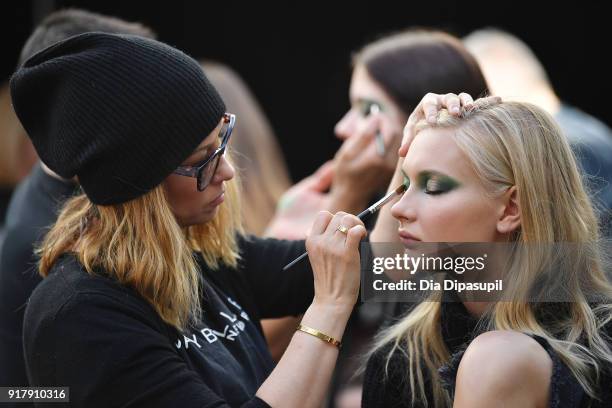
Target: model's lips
point(407, 238)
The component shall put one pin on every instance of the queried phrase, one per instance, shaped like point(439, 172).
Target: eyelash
point(433, 191)
point(365, 108)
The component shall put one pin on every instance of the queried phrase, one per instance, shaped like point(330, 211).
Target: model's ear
point(510, 213)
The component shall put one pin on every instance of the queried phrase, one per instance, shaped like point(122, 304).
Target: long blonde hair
point(518, 144)
point(140, 244)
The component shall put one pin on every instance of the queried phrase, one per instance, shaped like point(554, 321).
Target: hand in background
point(360, 171)
point(299, 206)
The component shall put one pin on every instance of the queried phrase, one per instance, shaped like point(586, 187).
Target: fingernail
point(455, 109)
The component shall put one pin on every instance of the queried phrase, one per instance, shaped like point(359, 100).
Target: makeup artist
point(152, 295)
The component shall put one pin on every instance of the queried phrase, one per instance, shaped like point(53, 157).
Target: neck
point(477, 309)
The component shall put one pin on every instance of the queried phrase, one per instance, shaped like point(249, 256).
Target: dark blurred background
point(296, 57)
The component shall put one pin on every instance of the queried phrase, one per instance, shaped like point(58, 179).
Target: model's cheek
point(443, 223)
point(461, 219)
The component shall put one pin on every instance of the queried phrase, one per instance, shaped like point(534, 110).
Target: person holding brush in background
point(390, 76)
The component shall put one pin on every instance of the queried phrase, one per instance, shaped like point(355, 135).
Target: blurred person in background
point(17, 156)
point(258, 157)
point(357, 175)
point(514, 72)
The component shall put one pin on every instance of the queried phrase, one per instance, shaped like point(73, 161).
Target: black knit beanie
point(120, 112)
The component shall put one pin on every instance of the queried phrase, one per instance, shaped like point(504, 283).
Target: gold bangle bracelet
point(318, 334)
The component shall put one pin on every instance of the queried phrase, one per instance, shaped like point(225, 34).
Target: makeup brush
point(362, 216)
point(380, 143)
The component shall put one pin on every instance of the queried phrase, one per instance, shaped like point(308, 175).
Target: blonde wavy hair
point(518, 144)
point(140, 244)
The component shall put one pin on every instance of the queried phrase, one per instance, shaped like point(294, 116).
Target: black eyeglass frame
point(198, 171)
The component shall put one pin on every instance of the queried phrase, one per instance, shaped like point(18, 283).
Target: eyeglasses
point(205, 171)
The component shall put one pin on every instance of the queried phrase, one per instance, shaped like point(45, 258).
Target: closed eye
point(435, 184)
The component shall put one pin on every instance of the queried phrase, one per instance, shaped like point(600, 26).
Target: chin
point(208, 216)
point(201, 218)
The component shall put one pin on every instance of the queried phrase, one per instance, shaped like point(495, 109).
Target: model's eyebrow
point(426, 173)
point(366, 101)
point(361, 99)
point(432, 173)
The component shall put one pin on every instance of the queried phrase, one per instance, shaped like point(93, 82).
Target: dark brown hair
point(409, 64)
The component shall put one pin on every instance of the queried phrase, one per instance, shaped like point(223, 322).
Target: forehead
point(363, 86)
point(436, 150)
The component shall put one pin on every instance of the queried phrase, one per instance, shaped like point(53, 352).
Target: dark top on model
point(459, 328)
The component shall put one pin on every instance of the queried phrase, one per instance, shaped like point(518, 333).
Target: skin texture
point(360, 170)
point(503, 368)
point(189, 205)
point(363, 91)
point(445, 201)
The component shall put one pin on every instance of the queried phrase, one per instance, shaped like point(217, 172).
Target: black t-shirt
point(32, 209)
point(111, 348)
